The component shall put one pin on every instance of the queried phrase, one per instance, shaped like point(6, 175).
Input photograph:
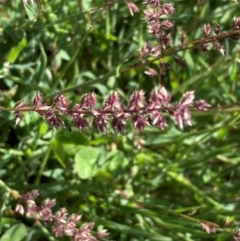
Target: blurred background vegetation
point(141, 186)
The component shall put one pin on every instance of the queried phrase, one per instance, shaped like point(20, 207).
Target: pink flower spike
point(132, 7)
point(187, 98)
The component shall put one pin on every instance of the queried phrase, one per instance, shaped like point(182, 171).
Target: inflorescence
point(139, 111)
point(159, 28)
point(59, 223)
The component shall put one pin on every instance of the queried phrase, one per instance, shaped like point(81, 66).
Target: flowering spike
point(167, 8)
point(62, 103)
point(52, 119)
point(118, 124)
point(37, 100)
point(187, 98)
point(18, 117)
point(139, 122)
point(235, 24)
point(219, 48)
point(137, 100)
point(20, 104)
point(132, 7)
point(153, 3)
point(112, 102)
point(201, 105)
point(158, 120)
point(79, 122)
point(151, 72)
point(207, 30)
point(102, 234)
point(88, 101)
point(114, 113)
point(163, 95)
point(100, 120)
point(60, 223)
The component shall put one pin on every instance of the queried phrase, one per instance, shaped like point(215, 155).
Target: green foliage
point(16, 233)
point(141, 186)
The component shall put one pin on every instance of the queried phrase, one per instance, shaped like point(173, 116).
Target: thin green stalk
point(42, 166)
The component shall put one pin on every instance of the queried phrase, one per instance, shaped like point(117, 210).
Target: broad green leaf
point(32, 10)
point(86, 162)
point(115, 163)
point(15, 233)
point(15, 51)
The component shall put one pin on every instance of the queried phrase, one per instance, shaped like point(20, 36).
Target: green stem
point(42, 166)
